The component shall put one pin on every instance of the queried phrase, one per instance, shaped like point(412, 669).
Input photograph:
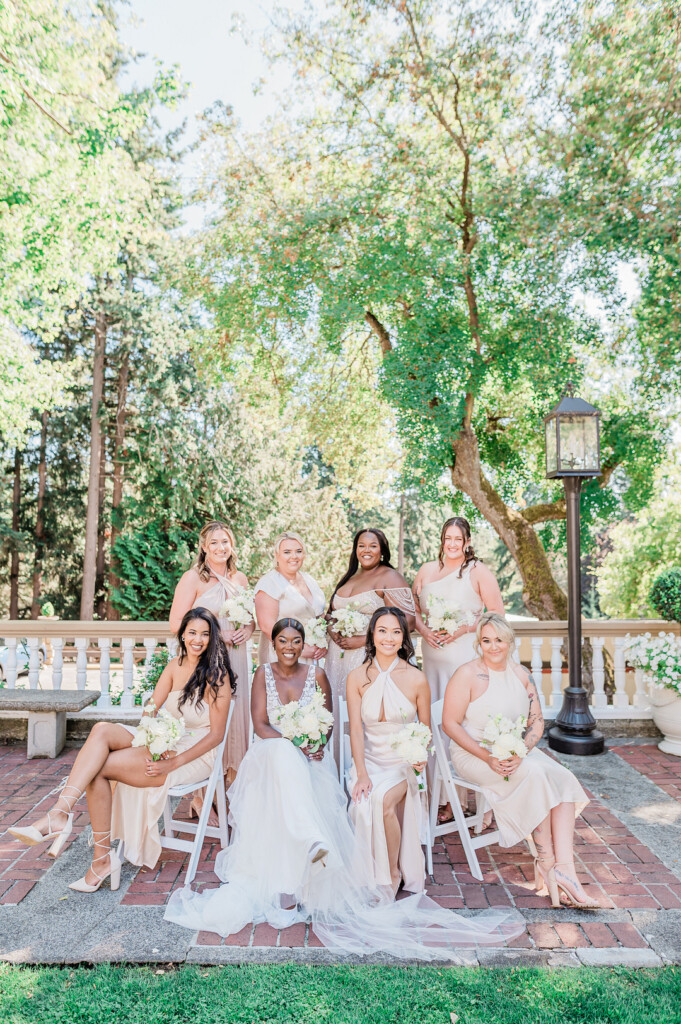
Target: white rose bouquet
point(446, 616)
point(411, 744)
point(350, 621)
point(316, 632)
point(306, 726)
point(659, 656)
point(239, 609)
point(504, 737)
point(158, 734)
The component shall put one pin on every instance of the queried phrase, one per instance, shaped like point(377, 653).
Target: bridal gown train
point(281, 806)
point(385, 710)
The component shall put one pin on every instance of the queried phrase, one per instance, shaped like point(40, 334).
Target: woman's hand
point(450, 638)
point(313, 653)
point(418, 768)
point(362, 788)
point(313, 755)
point(434, 638)
point(162, 767)
point(511, 764)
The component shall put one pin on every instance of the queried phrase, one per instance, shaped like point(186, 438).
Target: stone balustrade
point(90, 654)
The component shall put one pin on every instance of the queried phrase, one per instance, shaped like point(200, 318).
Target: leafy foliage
point(665, 595)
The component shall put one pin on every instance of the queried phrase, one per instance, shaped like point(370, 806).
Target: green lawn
point(338, 995)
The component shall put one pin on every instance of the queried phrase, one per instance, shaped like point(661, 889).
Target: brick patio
point(611, 860)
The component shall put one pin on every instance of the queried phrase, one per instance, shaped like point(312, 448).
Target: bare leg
point(563, 829)
point(99, 799)
point(103, 739)
point(393, 811)
point(545, 860)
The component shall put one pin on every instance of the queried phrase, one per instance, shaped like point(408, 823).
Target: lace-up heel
point(114, 867)
point(60, 841)
point(33, 836)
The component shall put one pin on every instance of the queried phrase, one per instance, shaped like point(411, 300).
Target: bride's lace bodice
point(273, 702)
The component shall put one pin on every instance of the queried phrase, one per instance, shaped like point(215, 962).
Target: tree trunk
point(14, 563)
point(40, 522)
point(100, 574)
point(541, 594)
point(92, 516)
point(117, 496)
point(400, 545)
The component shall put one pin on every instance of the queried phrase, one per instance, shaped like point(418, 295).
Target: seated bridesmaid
point(533, 794)
point(192, 687)
point(383, 695)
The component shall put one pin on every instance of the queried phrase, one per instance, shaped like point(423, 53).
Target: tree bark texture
point(39, 535)
point(117, 496)
point(100, 574)
point(92, 515)
point(14, 561)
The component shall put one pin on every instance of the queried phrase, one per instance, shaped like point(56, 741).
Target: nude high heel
point(318, 853)
point(545, 878)
point(114, 867)
point(33, 837)
point(571, 897)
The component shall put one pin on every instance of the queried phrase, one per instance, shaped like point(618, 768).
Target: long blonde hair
point(201, 564)
point(502, 627)
point(288, 536)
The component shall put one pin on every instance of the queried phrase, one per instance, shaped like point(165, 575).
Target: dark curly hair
point(213, 664)
point(406, 651)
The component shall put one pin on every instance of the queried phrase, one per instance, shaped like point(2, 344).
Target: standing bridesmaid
point(371, 582)
point(212, 579)
point(286, 592)
point(459, 577)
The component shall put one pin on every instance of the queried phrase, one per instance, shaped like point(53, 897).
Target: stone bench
point(46, 715)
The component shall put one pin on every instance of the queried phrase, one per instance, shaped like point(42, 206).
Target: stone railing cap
point(47, 700)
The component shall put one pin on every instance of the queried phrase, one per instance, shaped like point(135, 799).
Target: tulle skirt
point(281, 807)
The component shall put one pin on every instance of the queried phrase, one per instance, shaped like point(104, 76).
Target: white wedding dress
point(281, 806)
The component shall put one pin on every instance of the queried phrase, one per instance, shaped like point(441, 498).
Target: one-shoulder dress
point(440, 663)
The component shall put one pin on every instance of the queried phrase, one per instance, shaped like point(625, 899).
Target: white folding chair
point(345, 760)
point(214, 784)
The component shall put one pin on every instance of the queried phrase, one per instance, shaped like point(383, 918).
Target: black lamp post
point(573, 453)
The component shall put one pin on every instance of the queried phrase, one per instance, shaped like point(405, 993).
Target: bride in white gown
point(293, 855)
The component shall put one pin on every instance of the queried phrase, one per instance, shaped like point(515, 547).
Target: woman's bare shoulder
point(391, 579)
point(427, 572)
point(359, 675)
point(241, 578)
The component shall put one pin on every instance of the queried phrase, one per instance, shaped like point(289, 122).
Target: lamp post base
point(576, 743)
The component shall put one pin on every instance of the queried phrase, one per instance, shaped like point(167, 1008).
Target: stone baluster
point(537, 667)
point(128, 645)
point(599, 698)
point(104, 644)
point(556, 672)
point(150, 648)
point(81, 661)
point(620, 698)
point(641, 680)
point(57, 662)
point(33, 662)
point(11, 663)
point(172, 645)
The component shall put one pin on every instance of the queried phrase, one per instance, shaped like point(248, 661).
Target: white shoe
point(114, 868)
point(33, 837)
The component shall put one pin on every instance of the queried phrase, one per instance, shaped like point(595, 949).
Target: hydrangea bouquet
point(503, 737)
point(447, 616)
point(411, 744)
point(160, 733)
point(659, 656)
point(316, 632)
point(239, 609)
point(306, 726)
point(350, 621)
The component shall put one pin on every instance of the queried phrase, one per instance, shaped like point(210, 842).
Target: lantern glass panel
point(579, 444)
point(551, 445)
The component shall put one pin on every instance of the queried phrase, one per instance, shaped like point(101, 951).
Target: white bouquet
point(350, 621)
point(239, 609)
point(446, 616)
point(306, 726)
point(659, 656)
point(158, 734)
point(316, 632)
point(411, 744)
point(504, 737)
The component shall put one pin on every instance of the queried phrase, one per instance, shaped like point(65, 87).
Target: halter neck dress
point(339, 663)
point(236, 744)
point(385, 710)
point(292, 604)
point(539, 784)
point(440, 663)
point(135, 810)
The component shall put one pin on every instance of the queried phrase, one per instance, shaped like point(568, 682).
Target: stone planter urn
point(666, 708)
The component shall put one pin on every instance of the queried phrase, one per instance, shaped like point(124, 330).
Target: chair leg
point(167, 819)
point(222, 812)
point(464, 834)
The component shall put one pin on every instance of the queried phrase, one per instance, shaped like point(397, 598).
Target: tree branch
point(5, 59)
point(380, 331)
point(544, 511)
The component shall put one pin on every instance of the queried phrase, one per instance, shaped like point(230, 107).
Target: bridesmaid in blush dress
point(533, 794)
point(209, 582)
point(387, 809)
point(287, 592)
point(371, 582)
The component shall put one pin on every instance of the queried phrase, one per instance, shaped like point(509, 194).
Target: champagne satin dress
point(240, 726)
point(292, 604)
point(385, 710)
point(136, 810)
point(539, 784)
point(440, 663)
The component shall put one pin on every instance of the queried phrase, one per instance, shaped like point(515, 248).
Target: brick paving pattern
point(611, 862)
point(662, 769)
